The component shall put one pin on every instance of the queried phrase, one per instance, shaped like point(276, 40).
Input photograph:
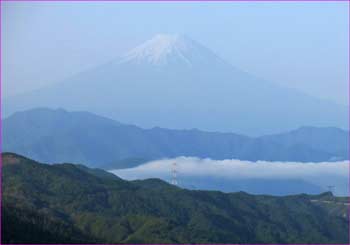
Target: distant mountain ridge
point(172, 81)
point(60, 136)
point(65, 203)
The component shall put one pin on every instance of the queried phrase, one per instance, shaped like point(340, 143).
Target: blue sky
point(299, 45)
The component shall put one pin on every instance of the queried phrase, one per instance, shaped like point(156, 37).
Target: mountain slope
point(151, 211)
point(175, 82)
point(60, 136)
point(328, 139)
point(25, 225)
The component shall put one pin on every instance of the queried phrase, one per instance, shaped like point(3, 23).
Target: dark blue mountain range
point(60, 136)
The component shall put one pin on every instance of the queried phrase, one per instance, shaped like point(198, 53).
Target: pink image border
point(154, 1)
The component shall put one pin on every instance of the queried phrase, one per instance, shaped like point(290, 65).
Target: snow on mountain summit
point(167, 49)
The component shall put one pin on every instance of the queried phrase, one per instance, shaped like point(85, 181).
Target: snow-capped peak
point(164, 49)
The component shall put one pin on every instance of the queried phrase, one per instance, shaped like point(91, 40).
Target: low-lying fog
point(261, 177)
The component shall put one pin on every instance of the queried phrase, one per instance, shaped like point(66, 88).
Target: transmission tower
point(331, 188)
point(174, 174)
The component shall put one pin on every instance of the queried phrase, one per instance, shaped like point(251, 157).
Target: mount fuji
point(173, 81)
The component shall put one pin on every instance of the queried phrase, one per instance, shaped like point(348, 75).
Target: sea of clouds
point(320, 174)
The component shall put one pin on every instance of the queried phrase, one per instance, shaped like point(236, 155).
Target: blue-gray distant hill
point(49, 135)
point(174, 82)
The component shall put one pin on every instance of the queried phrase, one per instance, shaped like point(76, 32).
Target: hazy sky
point(301, 45)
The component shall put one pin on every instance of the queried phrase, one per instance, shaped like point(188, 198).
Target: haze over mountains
point(60, 136)
point(171, 141)
point(174, 82)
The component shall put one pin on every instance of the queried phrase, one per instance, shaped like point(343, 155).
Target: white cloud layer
point(320, 174)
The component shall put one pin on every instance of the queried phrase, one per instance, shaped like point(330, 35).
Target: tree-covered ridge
point(66, 203)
